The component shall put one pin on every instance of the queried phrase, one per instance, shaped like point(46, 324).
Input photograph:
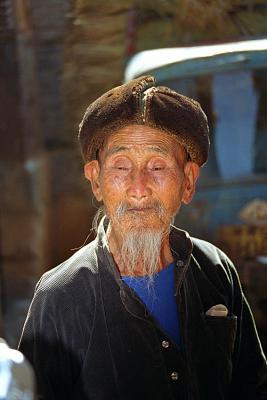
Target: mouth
point(140, 209)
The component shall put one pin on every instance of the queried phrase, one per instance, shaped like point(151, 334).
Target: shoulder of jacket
point(209, 250)
point(211, 258)
point(79, 270)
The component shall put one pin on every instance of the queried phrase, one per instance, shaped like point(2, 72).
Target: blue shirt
point(159, 297)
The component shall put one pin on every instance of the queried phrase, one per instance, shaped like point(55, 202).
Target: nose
point(138, 187)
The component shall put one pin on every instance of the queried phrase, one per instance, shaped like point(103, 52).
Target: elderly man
point(144, 311)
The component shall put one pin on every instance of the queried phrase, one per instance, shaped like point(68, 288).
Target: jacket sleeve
point(249, 364)
point(52, 342)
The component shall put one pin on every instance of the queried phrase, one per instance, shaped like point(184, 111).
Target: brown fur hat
point(140, 102)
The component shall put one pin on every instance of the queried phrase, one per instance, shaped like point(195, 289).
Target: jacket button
point(165, 344)
point(174, 376)
point(180, 263)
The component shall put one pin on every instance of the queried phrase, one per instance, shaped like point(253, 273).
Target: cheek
point(117, 182)
point(171, 190)
point(114, 182)
point(168, 178)
point(113, 188)
point(171, 178)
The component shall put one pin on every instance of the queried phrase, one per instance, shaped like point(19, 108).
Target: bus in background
point(230, 207)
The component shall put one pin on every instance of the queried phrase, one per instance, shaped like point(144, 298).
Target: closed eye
point(157, 168)
point(157, 164)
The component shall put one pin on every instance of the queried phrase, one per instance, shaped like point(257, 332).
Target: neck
point(115, 241)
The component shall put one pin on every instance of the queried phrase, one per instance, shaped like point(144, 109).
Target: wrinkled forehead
point(142, 138)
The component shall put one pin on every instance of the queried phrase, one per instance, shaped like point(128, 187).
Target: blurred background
point(56, 56)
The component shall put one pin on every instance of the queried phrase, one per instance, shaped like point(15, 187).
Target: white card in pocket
point(219, 310)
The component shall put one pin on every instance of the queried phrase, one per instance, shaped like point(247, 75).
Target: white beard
point(141, 248)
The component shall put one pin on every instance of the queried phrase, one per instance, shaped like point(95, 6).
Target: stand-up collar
point(180, 243)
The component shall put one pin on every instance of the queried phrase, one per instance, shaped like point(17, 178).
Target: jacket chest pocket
point(221, 332)
point(214, 344)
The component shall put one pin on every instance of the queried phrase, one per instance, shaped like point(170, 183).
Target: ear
point(191, 172)
point(92, 173)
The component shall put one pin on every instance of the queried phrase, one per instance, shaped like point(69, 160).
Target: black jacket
point(89, 337)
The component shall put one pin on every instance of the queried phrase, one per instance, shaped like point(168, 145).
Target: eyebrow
point(118, 149)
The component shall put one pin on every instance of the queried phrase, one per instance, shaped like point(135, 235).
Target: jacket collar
point(181, 246)
point(180, 243)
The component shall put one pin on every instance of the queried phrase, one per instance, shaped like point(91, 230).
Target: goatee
point(141, 246)
point(140, 251)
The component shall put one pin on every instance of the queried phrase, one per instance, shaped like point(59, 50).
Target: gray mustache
point(124, 207)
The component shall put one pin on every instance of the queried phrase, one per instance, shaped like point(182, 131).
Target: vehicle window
point(236, 105)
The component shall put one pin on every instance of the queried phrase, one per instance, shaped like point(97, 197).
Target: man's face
point(142, 178)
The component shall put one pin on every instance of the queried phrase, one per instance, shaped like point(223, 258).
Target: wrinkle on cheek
point(115, 180)
point(177, 177)
point(159, 181)
point(118, 182)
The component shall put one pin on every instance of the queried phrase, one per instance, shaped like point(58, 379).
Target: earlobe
point(91, 172)
point(191, 172)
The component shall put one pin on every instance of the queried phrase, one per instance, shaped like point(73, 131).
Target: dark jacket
point(89, 337)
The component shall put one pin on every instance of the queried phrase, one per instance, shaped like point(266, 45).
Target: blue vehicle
point(230, 82)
